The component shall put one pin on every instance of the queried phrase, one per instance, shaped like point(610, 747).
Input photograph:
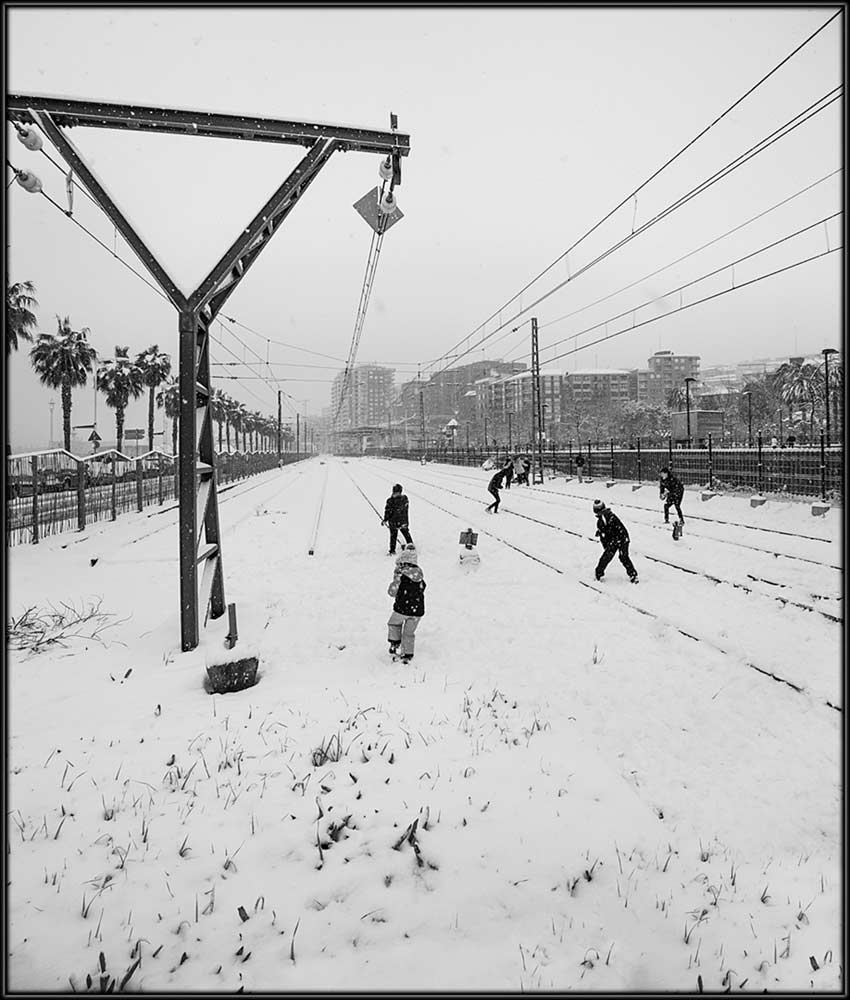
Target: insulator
point(386, 168)
point(30, 138)
point(388, 203)
point(28, 181)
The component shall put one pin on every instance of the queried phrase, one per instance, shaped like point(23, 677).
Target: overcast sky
point(527, 127)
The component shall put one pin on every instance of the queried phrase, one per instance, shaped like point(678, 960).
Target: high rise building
point(368, 399)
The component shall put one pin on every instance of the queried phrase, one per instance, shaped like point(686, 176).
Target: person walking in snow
point(396, 517)
point(494, 487)
point(615, 540)
point(509, 472)
point(671, 491)
point(408, 589)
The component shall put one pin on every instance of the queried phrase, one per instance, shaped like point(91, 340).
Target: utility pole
point(278, 425)
point(510, 435)
point(688, 380)
point(536, 404)
point(297, 434)
point(421, 412)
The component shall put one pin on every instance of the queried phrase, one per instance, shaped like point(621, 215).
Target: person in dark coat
point(494, 487)
point(672, 492)
point(615, 540)
point(579, 460)
point(509, 472)
point(396, 517)
point(408, 589)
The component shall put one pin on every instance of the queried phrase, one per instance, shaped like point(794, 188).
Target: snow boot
point(394, 648)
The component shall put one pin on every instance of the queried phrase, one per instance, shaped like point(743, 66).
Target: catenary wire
point(638, 189)
point(739, 161)
point(694, 281)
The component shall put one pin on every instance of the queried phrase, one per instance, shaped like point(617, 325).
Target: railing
point(48, 492)
point(814, 471)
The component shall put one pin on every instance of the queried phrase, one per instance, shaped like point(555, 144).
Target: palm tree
point(218, 411)
point(677, 398)
point(230, 407)
point(798, 384)
point(155, 368)
point(63, 361)
point(20, 319)
point(238, 414)
point(169, 397)
point(120, 380)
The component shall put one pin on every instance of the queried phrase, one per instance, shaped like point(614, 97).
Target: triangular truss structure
point(200, 535)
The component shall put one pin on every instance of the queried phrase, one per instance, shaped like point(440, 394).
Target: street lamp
point(826, 353)
point(510, 438)
point(749, 396)
point(688, 380)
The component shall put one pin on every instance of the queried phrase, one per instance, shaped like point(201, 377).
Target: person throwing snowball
point(615, 540)
point(671, 491)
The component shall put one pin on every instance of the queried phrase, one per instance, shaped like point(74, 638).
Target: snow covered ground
point(573, 786)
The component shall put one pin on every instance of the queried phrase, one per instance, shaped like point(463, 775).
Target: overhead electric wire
point(665, 267)
point(638, 189)
point(680, 288)
point(732, 165)
point(697, 302)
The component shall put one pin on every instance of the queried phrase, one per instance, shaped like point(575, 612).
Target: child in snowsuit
point(672, 492)
point(408, 589)
point(395, 517)
point(494, 487)
point(615, 540)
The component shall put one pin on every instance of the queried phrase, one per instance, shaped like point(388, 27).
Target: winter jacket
point(408, 588)
point(498, 480)
point(672, 487)
point(395, 511)
point(610, 529)
point(579, 461)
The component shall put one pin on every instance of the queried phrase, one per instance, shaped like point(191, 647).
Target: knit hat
point(397, 488)
point(665, 471)
point(598, 506)
point(408, 554)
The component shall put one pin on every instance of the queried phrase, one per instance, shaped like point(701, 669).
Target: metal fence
point(815, 471)
point(48, 492)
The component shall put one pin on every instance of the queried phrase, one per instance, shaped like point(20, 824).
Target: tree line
point(64, 361)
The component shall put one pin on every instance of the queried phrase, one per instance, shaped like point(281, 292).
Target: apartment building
point(368, 400)
point(671, 369)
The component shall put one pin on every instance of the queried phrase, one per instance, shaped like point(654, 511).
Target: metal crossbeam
point(101, 114)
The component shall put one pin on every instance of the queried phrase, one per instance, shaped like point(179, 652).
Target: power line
point(638, 189)
point(793, 123)
point(697, 302)
point(678, 260)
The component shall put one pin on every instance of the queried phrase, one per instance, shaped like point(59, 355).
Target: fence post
point(760, 465)
point(822, 468)
point(554, 470)
point(640, 473)
point(159, 473)
point(710, 463)
point(139, 497)
point(589, 461)
point(670, 452)
point(34, 465)
point(81, 495)
point(114, 479)
point(612, 458)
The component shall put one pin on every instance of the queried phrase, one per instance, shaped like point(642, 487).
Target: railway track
point(656, 559)
point(658, 527)
point(599, 590)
